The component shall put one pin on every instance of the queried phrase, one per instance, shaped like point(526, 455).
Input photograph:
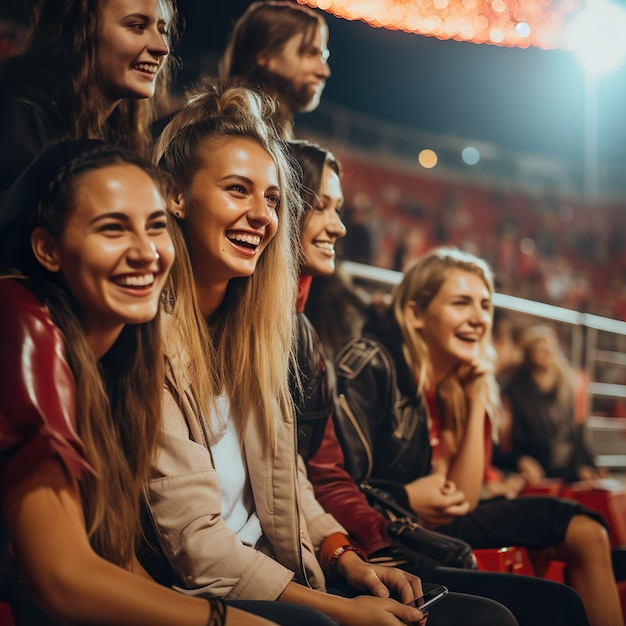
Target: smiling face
point(455, 320)
point(114, 251)
point(233, 212)
point(132, 46)
point(323, 226)
point(301, 69)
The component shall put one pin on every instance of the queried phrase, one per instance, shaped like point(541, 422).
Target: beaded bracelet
point(218, 612)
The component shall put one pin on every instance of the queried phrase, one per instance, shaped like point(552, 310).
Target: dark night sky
point(526, 99)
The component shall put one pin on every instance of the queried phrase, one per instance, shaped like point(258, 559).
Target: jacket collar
point(386, 330)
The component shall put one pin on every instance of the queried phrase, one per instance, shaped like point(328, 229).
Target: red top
point(304, 287)
point(491, 473)
point(37, 389)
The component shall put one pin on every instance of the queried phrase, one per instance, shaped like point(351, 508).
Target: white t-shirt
point(238, 509)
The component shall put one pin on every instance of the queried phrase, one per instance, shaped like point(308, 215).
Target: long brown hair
point(264, 28)
point(118, 399)
point(63, 40)
point(253, 329)
point(311, 158)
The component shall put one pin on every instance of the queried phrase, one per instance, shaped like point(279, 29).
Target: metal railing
point(595, 342)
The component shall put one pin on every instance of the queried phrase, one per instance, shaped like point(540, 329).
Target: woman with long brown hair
point(97, 69)
point(84, 263)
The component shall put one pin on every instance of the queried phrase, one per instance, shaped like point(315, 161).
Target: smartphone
point(432, 593)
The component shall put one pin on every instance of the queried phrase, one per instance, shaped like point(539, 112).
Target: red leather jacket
point(37, 388)
point(37, 413)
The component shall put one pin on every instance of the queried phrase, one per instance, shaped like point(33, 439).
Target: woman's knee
point(586, 536)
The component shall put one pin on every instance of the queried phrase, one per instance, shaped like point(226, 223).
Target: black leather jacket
point(314, 404)
point(380, 421)
point(365, 524)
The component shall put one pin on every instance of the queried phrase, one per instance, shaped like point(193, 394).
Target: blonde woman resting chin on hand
point(429, 438)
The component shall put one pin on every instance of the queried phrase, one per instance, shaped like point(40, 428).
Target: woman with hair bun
point(227, 486)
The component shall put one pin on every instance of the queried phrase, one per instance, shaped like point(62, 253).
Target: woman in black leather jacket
point(335, 488)
point(414, 394)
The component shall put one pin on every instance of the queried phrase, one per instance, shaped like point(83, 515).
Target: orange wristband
point(332, 548)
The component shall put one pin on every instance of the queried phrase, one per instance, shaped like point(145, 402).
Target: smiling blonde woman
point(418, 395)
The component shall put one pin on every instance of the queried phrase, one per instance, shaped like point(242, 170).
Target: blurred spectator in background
point(281, 47)
point(546, 438)
point(504, 335)
point(12, 35)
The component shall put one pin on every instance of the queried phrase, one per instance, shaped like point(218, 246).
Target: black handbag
point(429, 547)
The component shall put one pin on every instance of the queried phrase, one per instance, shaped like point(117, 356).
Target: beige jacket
point(185, 503)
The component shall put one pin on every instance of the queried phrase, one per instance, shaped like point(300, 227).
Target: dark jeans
point(618, 556)
point(469, 610)
point(283, 613)
point(533, 601)
point(458, 609)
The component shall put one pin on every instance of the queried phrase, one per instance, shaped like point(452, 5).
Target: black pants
point(533, 601)
point(458, 609)
point(283, 613)
point(455, 609)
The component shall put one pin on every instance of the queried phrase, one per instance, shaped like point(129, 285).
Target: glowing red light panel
point(520, 23)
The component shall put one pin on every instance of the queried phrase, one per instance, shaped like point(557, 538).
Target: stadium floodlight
point(596, 36)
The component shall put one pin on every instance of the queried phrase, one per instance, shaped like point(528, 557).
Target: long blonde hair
point(421, 282)
point(252, 332)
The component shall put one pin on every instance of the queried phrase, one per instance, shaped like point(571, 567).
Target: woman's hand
point(510, 487)
point(473, 378)
point(358, 611)
point(378, 580)
point(369, 611)
point(436, 500)
point(531, 470)
point(587, 472)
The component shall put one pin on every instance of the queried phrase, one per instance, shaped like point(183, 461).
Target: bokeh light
point(427, 158)
point(520, 23)
point(527, 246)
point(470, 155)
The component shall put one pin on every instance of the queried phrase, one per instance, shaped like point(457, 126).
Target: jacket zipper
point(298, 525)
point(357, 427)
